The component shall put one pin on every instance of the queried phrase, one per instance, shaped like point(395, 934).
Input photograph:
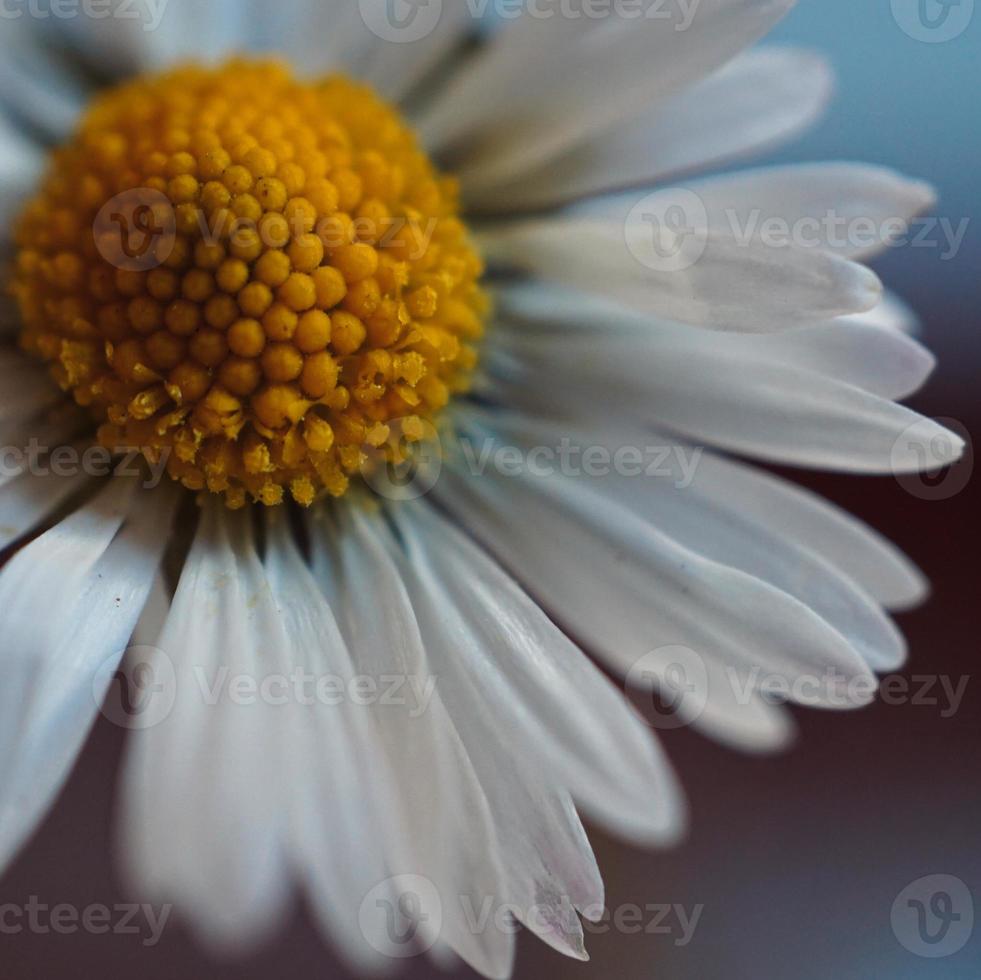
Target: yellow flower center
point(259, 280)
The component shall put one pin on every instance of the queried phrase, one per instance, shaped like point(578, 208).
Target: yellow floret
point(290, 280)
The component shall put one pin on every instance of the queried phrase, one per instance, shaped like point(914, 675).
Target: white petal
point(627, 589)
point(681, 500)
point(548, 865)
point(35, 86)
point(537, 684)
point(28, 442)
point(27, 388)
point(203, 822)
point(542, 82)
point(453, 842)
point(144, 35)
point(724, 707)
point(719, 391)
point(27, 500)
point(20, 163)
point(316, 36)
point(891, 314)
point(154, 616)
point(824, 529)
point(882, 361)
point(724, 284)
point(852, 209)
point(58, 657)
point(761, 98)
point(338, 779)
point(395, 69)
point(867, 351)
point(882, 570)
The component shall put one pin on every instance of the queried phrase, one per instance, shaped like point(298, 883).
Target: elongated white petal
point(627, 589)
point(27, 389)
point(761, 98)
point(336, 35)
point(680, 500)
point(542, 82)
point(892, 313)
point(454, 844)
point(824, 529)
point(35, 87)
point(549, 869)
point(342, 818)
point(209, 835)
point(367, 39)
point(880, 360)
point(870, 352)
point(852, 209)
point(723, 284)
point(27, 500)
point(720, 393)
point(20, 164)
point(145, 35)
point(28, 443)
point(57, 658)
point(395, 69)
point(155, 612)
point(528, 670)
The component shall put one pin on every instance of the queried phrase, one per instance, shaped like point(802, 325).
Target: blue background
point(916, 107)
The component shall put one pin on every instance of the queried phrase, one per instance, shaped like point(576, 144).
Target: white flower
point(578, 463)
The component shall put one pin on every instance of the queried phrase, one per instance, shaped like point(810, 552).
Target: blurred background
point(793, 864)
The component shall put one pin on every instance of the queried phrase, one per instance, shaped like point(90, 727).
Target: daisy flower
point(370, 423)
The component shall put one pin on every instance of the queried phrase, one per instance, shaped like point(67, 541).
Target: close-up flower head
point(420, 422)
